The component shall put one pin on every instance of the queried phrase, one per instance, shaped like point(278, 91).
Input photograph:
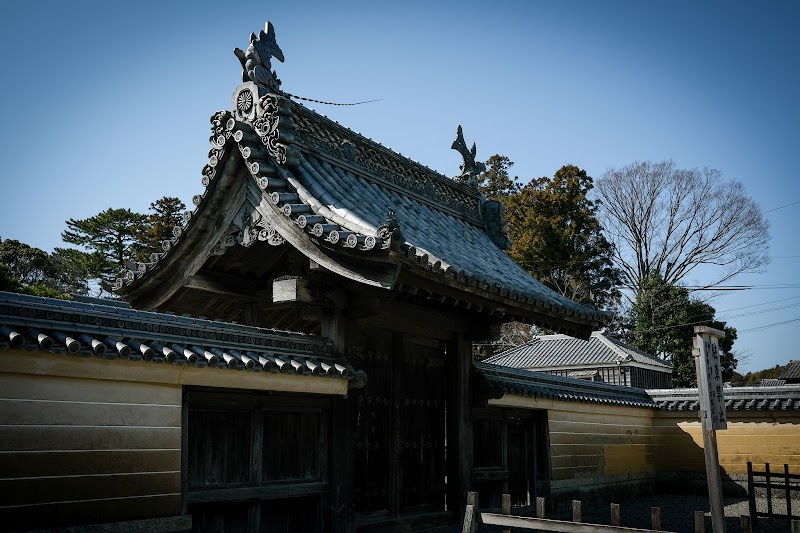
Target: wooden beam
point(363, 306)
point(226, 284)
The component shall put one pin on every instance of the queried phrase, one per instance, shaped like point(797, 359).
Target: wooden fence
point(786, 483)
point(473, 517)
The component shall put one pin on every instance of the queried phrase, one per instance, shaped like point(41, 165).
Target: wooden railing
point(785, 482)
point(473, 517)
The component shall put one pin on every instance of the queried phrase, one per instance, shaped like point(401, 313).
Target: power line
point(776, 324)
point(758, 305)
point(759, 312)
point(781, 207)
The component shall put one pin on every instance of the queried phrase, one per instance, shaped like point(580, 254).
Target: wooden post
point(751, 494)
point(469, 520)
point(459, 423)
point(746, 526)
point(655, 518)
point(335, 327)
point(576, 511)
point(769, 490)
point(472, 499)
point(506, 509)
point(699, 522)
point(539, 507)
point(615, 519)
point(788, 490)
point(712, 414)
point(795, 526)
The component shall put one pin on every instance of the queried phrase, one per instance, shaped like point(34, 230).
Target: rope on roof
point(330, 103)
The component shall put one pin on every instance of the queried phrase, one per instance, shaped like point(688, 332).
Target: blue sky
point(107, 103)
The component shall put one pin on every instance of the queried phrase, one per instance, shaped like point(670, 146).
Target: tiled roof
point(792, 370)
point(778, 398)
point(541, 385)
point(548, 386)
point(119, 332)
point(550, 351)
point(336, 187)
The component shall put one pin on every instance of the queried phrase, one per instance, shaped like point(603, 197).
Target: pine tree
point(113, 234)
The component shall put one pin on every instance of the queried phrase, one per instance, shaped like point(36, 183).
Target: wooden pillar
point(459, 423)
point(341, 461)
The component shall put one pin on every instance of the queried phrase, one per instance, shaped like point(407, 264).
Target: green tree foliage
point(112, 234)
point(496, 183)
point(28, 265)
point(7, 280)
point(30, 270)
point(555, 233)
point(664, 317)
point(166, 214)
point(754, 378)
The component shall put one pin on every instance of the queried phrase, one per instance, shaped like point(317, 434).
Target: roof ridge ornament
point(471, 168)
point(255, 61)
point(390, 229)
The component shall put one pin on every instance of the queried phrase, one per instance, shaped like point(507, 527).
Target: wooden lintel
point(363, 306)
point(313, 314)
point(226, 284)
point(478, 330)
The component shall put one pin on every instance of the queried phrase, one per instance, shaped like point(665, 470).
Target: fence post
point(655, 518)
point(471, 516)
point(769, 490)
point(539, 507)
point(788, 490)
point(751, 493)
point(472, 499)
point(795, 526)
point(576, 511)
point(699, 522)
point(505, 508)
point(746, 526)
point(469, 519)
point(614, 514)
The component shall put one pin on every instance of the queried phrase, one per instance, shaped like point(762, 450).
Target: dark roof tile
point(550, 351)
point(786, 397)
point(34, 323)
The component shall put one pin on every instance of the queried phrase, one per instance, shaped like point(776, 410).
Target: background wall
point(613, 452)
point(76, 450)
point(757, 436)
point(595, 450)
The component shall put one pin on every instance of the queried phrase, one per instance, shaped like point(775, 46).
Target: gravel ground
point(677, 514)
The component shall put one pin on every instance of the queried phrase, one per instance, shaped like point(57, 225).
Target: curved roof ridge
point(636, 354)
point(540, 384)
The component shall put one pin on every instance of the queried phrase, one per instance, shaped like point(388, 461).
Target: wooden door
point(400, 428)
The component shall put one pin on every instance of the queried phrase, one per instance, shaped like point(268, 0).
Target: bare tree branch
point(669, 220)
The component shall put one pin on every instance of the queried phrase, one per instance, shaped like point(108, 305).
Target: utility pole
point(712, 413)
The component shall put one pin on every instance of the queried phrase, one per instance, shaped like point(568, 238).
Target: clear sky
point(106, 104)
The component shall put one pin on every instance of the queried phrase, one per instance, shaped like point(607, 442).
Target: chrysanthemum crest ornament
point(258, 77)
point(260, 103)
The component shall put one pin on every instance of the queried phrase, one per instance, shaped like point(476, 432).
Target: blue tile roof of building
point(558, 351)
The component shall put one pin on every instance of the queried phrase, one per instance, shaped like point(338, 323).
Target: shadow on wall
point(681, 468)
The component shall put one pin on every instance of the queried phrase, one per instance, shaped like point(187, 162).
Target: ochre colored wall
point(593, 446)
point(90, 440)
point(596, 447)
point(87, 450)
point(757, 436)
